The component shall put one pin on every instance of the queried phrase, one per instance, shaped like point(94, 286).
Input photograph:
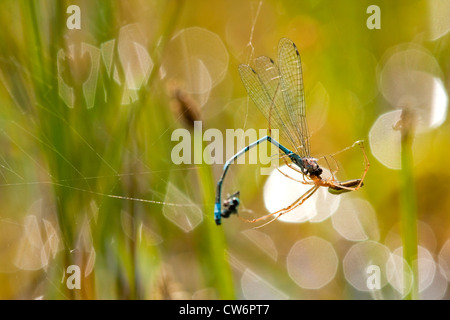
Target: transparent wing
point(278, 93)
point(291, 82)
point(263, 86)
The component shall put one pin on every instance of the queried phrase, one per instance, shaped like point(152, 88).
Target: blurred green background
point(88, 178)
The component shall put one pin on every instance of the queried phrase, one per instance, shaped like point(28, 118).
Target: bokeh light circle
point(197, 59)
point(384, 141)
point(312, 262)
point(356, 220)
point(399, 274)
point(281, 191)
point(361, 259)
point(444, 260)
point(426, 266)
point(410, 76)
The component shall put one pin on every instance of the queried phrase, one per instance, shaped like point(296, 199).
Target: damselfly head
point(230, 205)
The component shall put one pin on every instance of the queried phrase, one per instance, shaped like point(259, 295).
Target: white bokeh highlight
point(312, 262)
point(356, 220)
point(263, 241)
point(359, 258)
point(384, 141)
point(197, 59)
point(281, 191)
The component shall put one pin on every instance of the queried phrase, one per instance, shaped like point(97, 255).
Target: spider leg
point(291, 207)
point(295, 169)
point(351, 185)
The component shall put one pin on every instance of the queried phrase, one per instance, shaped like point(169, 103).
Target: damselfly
point(277, 91)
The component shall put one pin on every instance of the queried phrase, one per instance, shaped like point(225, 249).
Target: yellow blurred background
point(94, 206)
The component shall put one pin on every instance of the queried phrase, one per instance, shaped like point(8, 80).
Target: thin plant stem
point(408, 202)
point(213, 239)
